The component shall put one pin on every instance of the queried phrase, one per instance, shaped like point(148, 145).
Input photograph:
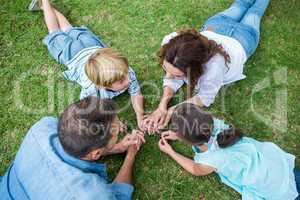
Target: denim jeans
point(241, 21)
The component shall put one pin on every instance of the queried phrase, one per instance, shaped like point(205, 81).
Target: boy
point(99, 70)
point(57, 159)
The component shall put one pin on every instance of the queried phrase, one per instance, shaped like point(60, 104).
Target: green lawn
point(136, 28)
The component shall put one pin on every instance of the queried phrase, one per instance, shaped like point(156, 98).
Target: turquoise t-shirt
point(257, 170)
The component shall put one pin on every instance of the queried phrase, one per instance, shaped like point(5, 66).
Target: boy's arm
point(138, 106)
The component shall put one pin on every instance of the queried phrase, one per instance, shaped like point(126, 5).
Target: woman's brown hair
point(189, 51)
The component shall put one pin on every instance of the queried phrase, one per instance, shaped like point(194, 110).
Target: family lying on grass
point(57, 159)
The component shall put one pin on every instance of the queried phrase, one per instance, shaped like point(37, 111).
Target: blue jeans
point(241, 21)
point(297, 177)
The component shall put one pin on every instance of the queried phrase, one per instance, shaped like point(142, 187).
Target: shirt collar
point(219, 126)
point(85, 166)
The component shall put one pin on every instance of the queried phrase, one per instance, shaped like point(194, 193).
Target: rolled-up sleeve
point(122, 191)
point(210, 83)
point(134, 87)
point(174, 84)
point(168, 37)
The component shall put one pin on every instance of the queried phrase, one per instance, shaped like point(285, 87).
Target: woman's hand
point(155, 120)
point(141, 122)
point(164, 146)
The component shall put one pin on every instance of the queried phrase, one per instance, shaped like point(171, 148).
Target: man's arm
point(125, 174)
point(130, 139)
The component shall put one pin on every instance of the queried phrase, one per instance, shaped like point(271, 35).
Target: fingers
point(165, 134)
point(161, 120)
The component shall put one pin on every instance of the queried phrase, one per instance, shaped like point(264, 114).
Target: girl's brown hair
point(189, 51)
point(195, 127)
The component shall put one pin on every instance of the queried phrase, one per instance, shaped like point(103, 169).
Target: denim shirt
point(43, 170)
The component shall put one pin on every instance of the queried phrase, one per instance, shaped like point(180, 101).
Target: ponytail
point(229, 137)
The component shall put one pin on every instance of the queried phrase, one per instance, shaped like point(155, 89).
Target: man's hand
point(123, 127)
point(164, 146)
point(133, 149)
point(131, 139)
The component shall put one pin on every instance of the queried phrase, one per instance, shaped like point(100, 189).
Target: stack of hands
point(156, 121)
point(131, 143)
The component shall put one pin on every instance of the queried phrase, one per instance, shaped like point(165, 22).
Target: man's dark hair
point(85, 126)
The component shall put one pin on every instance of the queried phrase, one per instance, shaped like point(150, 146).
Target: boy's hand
point(132, 139)
point(141, 122)
point(164, 146)
point(169, 135)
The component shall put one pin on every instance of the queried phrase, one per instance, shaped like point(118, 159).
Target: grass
point(136, 28)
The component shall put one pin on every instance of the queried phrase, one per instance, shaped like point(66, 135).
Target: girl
point(208, 60)
point(257, 170)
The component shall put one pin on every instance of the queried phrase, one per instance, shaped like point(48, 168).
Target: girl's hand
point(164, 146)
point(169, 135)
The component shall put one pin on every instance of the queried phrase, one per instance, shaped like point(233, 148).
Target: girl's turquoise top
point(257, 170)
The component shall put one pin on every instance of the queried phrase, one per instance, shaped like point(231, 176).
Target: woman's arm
point(194, 100)
point(157, 118)
point(168, 94)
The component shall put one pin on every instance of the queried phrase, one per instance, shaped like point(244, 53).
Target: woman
point(208, 60)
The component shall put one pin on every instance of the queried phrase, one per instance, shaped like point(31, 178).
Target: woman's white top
point(216, 73)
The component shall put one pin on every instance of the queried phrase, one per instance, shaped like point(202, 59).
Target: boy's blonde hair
point(106, 66)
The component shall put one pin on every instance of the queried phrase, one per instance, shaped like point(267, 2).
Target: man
point(57, 157)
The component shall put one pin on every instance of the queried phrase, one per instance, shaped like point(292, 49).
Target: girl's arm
point(188, 164)
point(138, 106)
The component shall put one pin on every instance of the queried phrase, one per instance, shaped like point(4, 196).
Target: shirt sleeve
point(211, 82)
point(134, 87)
point(122, 191)
point(168, 37)
point(174, 84)
point(216, 159)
